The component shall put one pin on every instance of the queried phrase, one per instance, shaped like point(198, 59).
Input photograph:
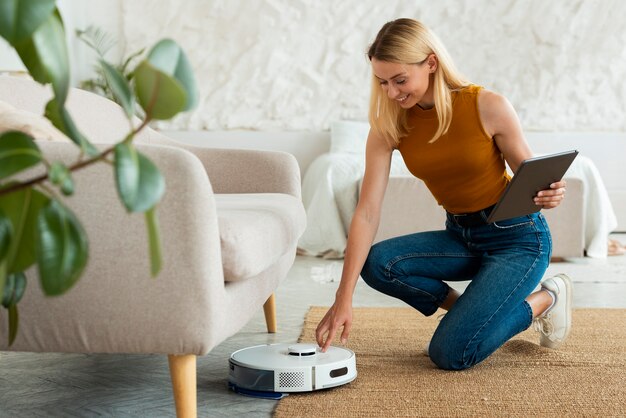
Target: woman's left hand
point(551, 197)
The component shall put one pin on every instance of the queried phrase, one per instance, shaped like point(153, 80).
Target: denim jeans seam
point(397, 282)
point(420, 291)
point(548, 235)
point(540, 241)
point(399, 258)
point(529, 309)
point(509, 227)
point(500, 307)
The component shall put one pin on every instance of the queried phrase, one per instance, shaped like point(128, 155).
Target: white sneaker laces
point(544, 324)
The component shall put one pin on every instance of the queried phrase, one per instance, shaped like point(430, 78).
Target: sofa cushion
point(256, 229)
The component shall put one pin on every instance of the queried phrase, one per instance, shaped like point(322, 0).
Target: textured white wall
point(79, 14)
point(299, 64)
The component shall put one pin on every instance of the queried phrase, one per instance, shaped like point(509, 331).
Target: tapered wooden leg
point(269, 308)
point(183, 373)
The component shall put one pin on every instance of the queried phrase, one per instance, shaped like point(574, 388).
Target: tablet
point(533, 175)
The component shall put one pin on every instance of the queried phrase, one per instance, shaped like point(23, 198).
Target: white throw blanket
point(330, 194)
point(600, 218)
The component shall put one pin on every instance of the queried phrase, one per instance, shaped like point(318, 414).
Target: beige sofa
point(410, 207)
point(229, 220)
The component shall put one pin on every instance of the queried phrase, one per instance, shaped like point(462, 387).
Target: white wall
point(298, 64)
point(79, 14)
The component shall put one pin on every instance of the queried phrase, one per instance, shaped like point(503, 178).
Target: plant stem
point(44, 177)
point(76, 166)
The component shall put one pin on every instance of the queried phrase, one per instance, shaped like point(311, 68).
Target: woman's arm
point(501, 123)
point(362, 231)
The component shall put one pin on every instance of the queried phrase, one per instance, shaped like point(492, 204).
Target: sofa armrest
point(239, 170)
point(249, 171)
point(116, 306)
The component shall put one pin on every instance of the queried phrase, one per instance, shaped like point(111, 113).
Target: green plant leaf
point(22, 208)
point(60, 175)
point(27, 51)
point(14, 323)
point(154, 240)
point(6, 234)
point(160, 96)
point(46, 57)
point(14, 289)
point(17, 152)
point(62, 248)
point(10, 295)
point(7, 291)
point(169, 58)
point(164, 82)
point(19, 19)
point(119, 86)
point(139, 182)
point(3, 276)
point(97, 39)
point(123, 68)
point(60, 118)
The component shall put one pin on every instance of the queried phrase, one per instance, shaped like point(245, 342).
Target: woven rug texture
point(584, 377)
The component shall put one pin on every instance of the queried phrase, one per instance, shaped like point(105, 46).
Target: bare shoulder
point(501, 122)
point(492, 103)
point(378, 144)
point(496, 112)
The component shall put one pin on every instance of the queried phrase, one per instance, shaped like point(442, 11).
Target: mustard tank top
point(463, 169)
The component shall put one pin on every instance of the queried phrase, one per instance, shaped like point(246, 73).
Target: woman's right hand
point(340, 314)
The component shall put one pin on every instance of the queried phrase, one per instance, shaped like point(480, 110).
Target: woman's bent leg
point(493, 307)
point(412, 267)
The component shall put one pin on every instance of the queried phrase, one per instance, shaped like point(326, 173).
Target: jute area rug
point(585, 377)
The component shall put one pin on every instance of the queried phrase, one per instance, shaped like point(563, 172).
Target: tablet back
point(533, 175)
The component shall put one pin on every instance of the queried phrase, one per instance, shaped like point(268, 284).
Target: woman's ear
point(433, 63)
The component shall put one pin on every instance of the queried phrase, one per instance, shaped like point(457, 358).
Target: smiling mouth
point(403, 98)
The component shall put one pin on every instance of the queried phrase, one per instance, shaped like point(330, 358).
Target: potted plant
point(35, 225)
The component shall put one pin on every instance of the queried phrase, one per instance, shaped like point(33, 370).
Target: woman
point(455, 136)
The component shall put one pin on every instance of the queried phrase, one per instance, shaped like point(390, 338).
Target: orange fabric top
point(463, 169)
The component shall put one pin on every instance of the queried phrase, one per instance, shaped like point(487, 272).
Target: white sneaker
point(556, 323)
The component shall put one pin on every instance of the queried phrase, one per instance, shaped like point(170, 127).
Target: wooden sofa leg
point(183, 373)
point(269, 308)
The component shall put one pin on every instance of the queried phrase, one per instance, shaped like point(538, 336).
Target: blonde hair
point(407, 41)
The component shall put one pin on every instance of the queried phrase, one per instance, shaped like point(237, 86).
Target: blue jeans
point(504, 261)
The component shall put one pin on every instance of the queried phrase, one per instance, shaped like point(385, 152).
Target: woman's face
point(407, 84)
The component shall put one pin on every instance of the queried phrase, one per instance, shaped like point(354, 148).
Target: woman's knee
point(373, 271)
point(447, 355)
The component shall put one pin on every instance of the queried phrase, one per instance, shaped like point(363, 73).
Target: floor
point(64, 385)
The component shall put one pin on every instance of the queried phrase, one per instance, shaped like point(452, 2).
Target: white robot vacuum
point(279, 368)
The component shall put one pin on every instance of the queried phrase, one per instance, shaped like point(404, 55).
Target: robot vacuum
point(278, 368)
